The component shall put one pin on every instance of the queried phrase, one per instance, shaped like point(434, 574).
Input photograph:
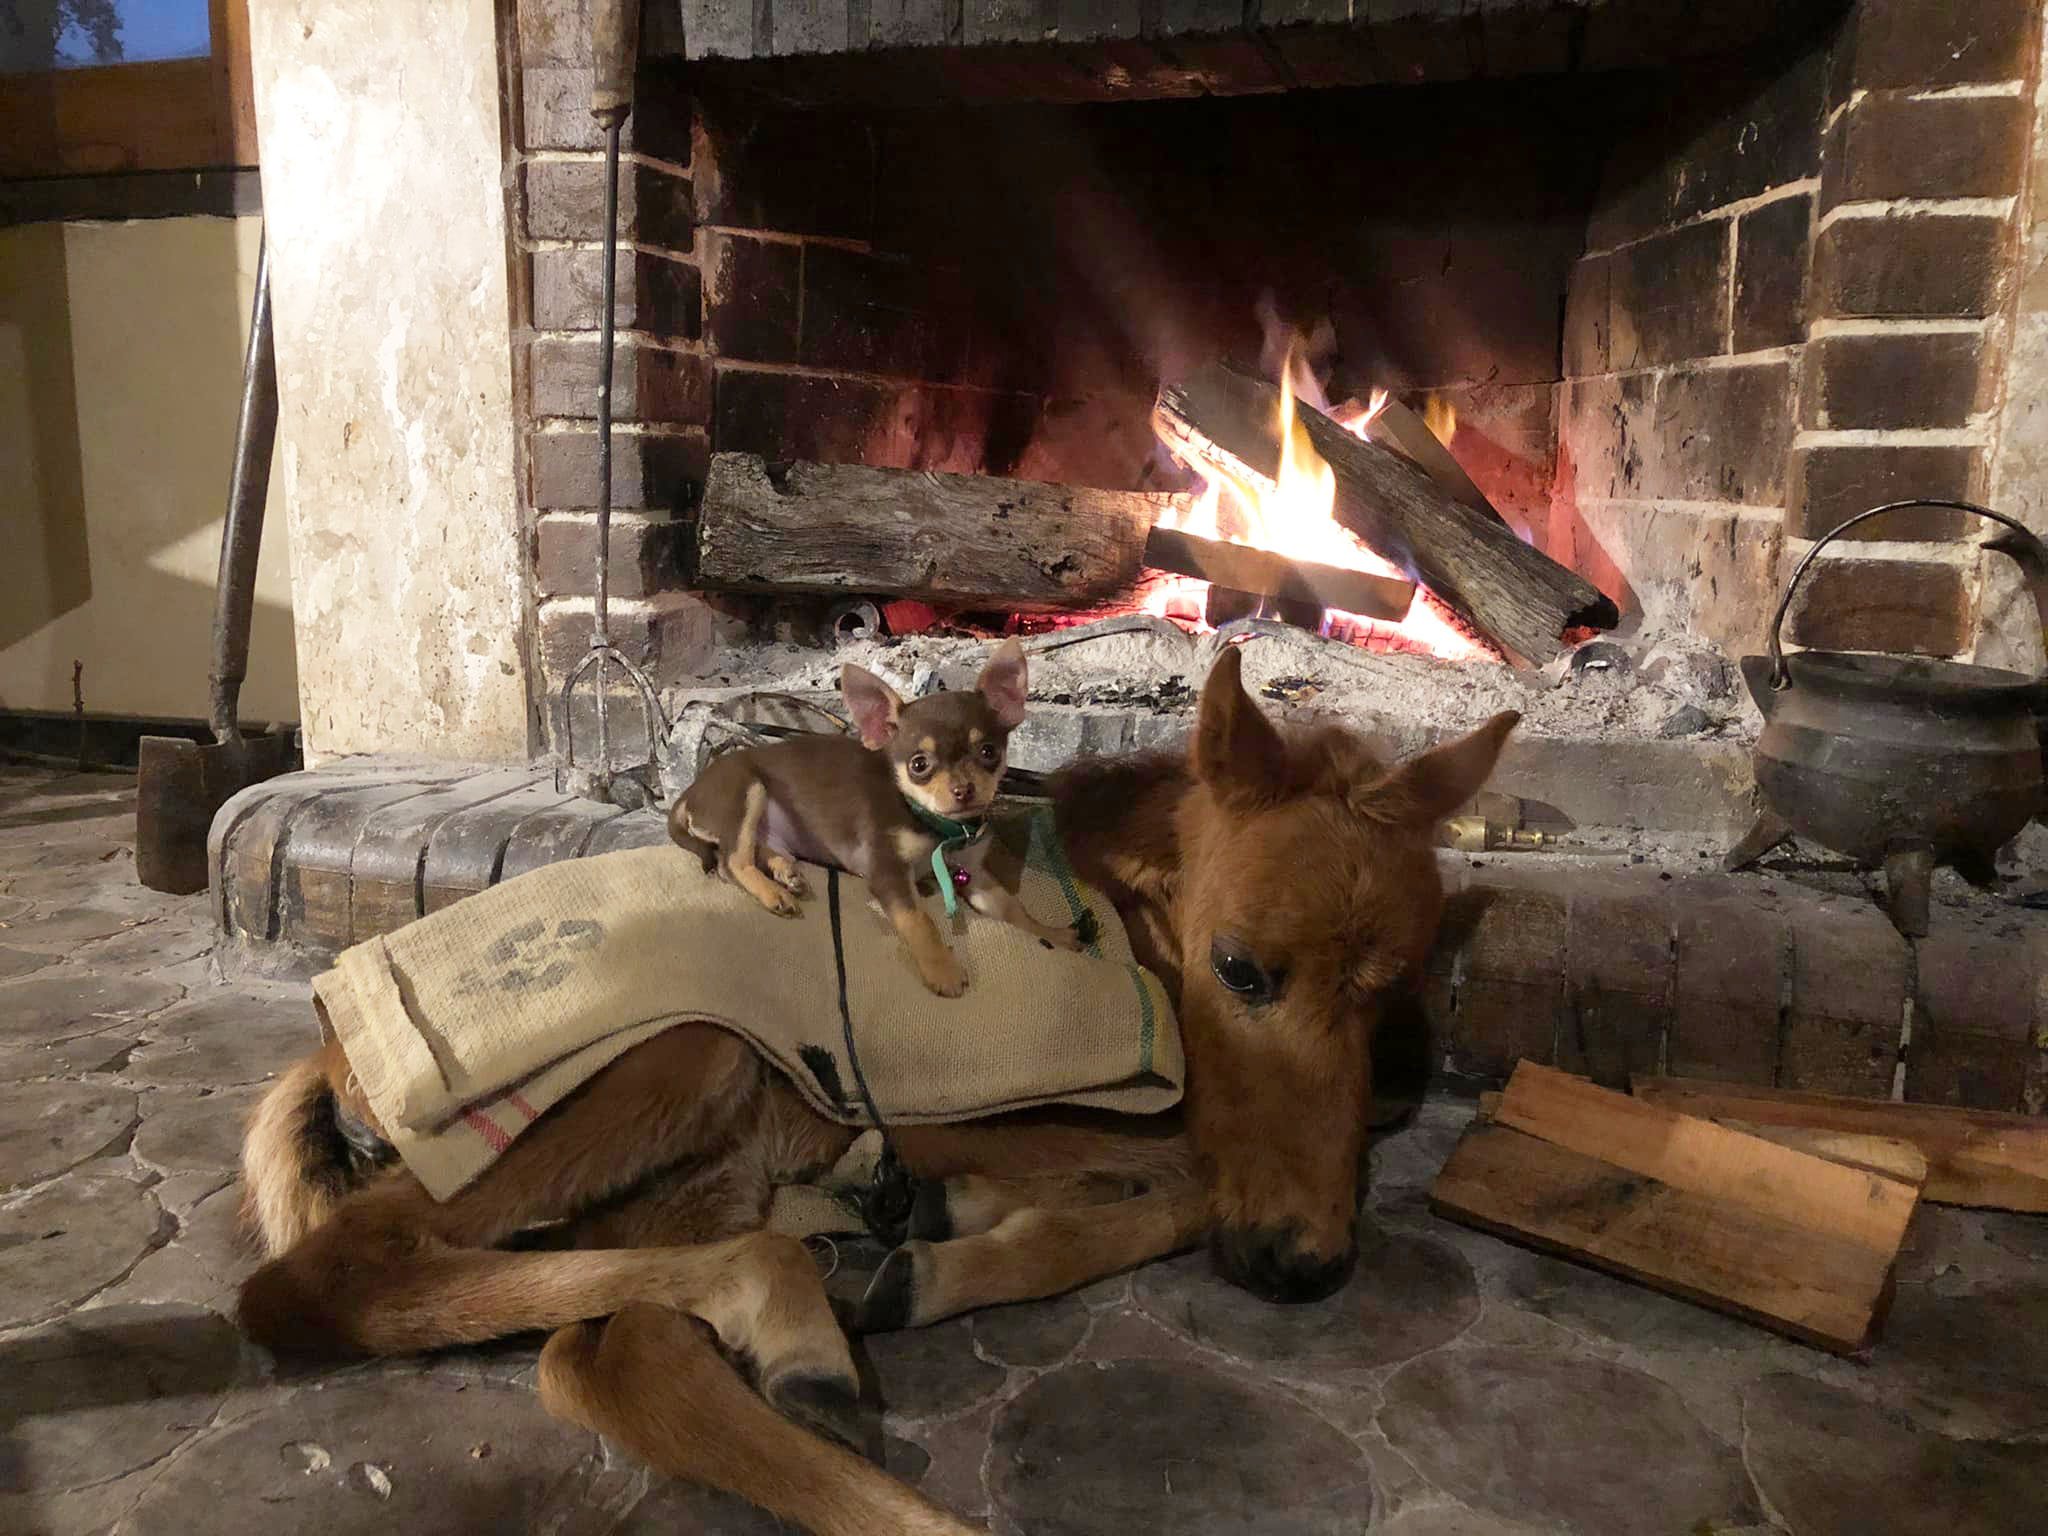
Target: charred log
point(1508, 590)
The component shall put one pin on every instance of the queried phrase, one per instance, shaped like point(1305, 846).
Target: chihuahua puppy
point(922, 774)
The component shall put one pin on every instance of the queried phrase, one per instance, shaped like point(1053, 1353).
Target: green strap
point(952, 835)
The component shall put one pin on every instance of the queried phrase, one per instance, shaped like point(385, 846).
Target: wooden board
point(1793, 1242)
point(1975, 1157)
point(1887, 1155)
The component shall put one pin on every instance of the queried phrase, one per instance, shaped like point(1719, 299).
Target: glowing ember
point(1291, 515)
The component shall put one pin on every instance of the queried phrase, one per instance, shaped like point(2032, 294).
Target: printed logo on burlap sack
point(536, 956)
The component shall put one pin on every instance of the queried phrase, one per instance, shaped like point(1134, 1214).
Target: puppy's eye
point(1240, 973)
point(991, 754)
point(920, 766)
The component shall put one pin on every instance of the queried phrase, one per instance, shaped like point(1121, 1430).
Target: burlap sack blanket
point(464, 1027)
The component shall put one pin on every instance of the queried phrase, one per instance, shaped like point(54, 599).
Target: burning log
point(976, 541)
point(1301, 584)
point(1508, 590)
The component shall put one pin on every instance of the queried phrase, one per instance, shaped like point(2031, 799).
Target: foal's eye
point(989, 753)
point(1239, 972)
point(920, 766)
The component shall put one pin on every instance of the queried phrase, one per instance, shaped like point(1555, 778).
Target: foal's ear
point(1238, 753)
point(1433, 785)
point(1002, 683)
point(872, 703)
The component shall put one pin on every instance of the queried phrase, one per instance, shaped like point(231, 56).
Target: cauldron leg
point(1980, 869)
point(1908, 874)
point(1770, 830)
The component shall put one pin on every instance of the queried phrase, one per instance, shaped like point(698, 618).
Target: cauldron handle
point(2020, 542)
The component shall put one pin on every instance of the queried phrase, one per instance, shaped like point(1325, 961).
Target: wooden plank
point(1885, 1155)
point(1975, 1157)
point(1693, 1153)
point(1888, 1155)
point(1815, 1286)
point(1792, 1241)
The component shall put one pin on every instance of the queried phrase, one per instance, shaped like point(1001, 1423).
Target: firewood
point(950, 540)
point(1975, 1157)
point(1510, 591)
point(1261, 573)
point(975, 540)
point(1793, 1242)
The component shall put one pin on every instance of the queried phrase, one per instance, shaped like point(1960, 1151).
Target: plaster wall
point(120, 376)
point(382, 182)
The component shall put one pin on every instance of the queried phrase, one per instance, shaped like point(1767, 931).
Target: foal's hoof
point(891, 1299)
point(829, 1406)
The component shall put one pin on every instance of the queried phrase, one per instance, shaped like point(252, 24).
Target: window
point(95, 86)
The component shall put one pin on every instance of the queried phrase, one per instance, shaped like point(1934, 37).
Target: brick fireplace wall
point(1783, 283)
point(1788, 313)
point(661, 374)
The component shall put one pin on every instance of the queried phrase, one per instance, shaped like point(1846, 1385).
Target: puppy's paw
point(792, 880)
point(947, 979)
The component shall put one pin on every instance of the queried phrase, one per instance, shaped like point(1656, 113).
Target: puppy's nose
point(963, 794)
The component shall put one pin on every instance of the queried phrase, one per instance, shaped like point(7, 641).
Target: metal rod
point(600, 638)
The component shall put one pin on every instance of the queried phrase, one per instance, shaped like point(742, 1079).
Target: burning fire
point(1291, 515)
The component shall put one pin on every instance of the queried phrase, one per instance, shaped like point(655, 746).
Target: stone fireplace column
point(384, 204)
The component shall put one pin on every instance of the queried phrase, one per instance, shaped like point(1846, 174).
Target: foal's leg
point(650, 1379)
point(970, 1203)
point(1029, 1254)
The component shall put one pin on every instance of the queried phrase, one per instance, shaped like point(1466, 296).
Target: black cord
point(885, 1206)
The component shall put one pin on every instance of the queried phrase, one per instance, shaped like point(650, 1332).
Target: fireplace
point(1678, 289)
point(1675, 286)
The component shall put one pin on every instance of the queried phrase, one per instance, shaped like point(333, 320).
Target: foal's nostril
point(1269, 1262)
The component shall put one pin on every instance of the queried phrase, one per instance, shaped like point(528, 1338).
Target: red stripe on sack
point(486, 1128)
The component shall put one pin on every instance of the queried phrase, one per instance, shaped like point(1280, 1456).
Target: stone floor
point(1459, 1387)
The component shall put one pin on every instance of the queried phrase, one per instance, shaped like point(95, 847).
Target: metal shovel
point(183, 783)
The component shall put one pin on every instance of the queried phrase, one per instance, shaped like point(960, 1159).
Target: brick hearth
point(1604, 970)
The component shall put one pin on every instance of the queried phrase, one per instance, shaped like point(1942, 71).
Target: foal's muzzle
point(1270, 1263)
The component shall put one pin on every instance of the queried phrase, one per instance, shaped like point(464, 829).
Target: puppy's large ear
point(872, 703)
point(1431, 786)
point(1237, 752)
point(1002, 683)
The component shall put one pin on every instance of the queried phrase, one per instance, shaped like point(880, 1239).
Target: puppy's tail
point(295, 1161)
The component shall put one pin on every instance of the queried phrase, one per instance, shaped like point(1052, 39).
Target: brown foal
point(1283, 885)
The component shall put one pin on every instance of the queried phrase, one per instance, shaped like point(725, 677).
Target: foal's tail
point(295, 1161)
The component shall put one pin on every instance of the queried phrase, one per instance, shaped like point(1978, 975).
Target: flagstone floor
point(1459, 1386)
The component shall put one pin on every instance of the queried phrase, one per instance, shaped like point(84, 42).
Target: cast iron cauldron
point(1899, 761)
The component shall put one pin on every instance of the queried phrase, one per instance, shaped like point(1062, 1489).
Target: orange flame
point(1293, 515)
